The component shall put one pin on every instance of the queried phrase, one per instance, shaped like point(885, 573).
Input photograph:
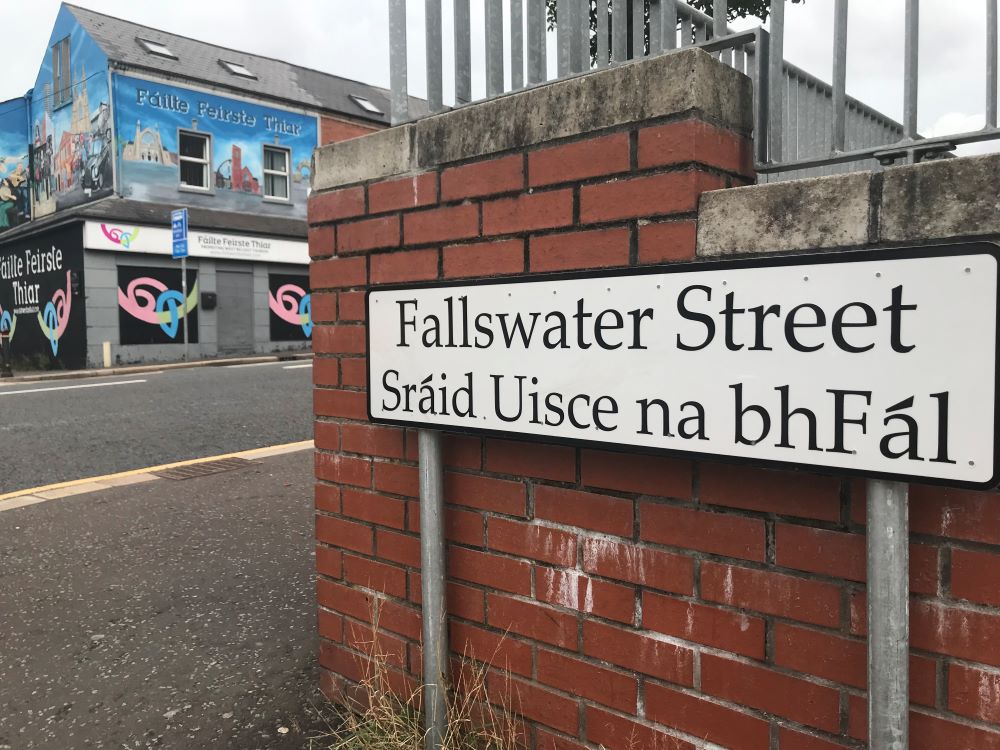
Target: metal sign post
point(434, 615)
point(179, 230)
point(888, 615)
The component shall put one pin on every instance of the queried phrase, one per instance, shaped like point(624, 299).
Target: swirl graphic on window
point(152, 302)
point(293, 305)
point(120, 236)
point(8, 320)
point(54, 317)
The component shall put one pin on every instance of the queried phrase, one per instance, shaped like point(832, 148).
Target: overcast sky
point(350, 38)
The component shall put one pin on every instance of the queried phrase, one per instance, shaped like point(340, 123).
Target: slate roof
point(199, 61)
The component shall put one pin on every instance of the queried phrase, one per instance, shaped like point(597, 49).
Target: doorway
point(235, 311)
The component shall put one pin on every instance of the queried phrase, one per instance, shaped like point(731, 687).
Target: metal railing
point(803, 126)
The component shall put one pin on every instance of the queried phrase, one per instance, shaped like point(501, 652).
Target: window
point(237, 70)
point(156, 48)
point(195, 156)
point(366, 105)
point(62, 77)
point(276, 162)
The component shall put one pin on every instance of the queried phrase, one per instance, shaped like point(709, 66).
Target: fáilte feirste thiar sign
point(874, 363)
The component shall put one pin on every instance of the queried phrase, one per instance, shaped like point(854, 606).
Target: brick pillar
point(633, 598)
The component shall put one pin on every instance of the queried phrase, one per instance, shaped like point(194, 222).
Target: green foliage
point(736, 9)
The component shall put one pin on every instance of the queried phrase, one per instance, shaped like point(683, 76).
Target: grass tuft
point(379, 718)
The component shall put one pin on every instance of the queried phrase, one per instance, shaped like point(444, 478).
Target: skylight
point(156, 48)
point(236, 69)
point(366, 105)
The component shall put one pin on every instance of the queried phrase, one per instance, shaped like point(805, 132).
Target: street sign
point(179, 230)
point(874, 363)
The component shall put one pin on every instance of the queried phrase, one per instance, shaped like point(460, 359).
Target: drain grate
point(206, 469)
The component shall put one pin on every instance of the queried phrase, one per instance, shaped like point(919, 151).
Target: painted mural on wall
point(152, 307)
point(71, 144)
point(160, 129)
point(41, 301)
point(15, 200)
point(291, 307)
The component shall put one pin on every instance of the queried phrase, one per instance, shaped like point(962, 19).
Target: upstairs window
point(366, 105)
point(237, 70)
point(276, 173)
point(156, 48)
point(62, 76)
point(195, 157)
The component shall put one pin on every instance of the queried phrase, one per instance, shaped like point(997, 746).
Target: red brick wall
point(633, 598)
point(333, 130)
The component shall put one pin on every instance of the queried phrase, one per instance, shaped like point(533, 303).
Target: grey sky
point(350, 38)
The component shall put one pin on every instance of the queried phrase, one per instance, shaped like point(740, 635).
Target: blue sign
point(179, 229)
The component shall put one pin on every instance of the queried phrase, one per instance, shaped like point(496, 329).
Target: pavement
point(53, 432)
point(165, 613)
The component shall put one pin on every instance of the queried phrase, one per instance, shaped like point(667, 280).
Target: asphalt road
point(170, 614)
point(70, 429)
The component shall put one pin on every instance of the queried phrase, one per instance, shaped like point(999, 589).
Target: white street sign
point(874, 363)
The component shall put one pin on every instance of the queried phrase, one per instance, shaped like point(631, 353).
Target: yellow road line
point(271, 450)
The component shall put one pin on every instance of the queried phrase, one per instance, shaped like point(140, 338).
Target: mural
point(15, 193)
point(151, 306)
point(149, 116)
point(70, 135)
point(291, 307)
point(40, 286)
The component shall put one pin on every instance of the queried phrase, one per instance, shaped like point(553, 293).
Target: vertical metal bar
point(585, 34)
point(619, 30)
point(603, 29)
point(738, 58)
point(991, 63)
point(432, 589)
point(720, 17)
point(776, 70)
point(516, 44)
point(655, 32)
point(685, 31)
point(399, 97)
point(579, 36)
point(814, 145)
point(888, 615)
point(839, 74)
point(638, 28)
point(184, 295)
point(790, 144)
point(494, 47)
point(463, 53)
point(668, 24)
point(564, 45)
point(432, 32)
point(911, 68)
point(854, 136)
point(762, 99)
point(536, 41)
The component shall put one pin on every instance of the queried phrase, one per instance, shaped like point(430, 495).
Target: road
point(70, 429)
point(177, 615)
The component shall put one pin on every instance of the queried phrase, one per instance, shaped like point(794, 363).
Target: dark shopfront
point(42, 300)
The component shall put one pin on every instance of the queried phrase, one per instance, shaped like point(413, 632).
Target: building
point(125, 123)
